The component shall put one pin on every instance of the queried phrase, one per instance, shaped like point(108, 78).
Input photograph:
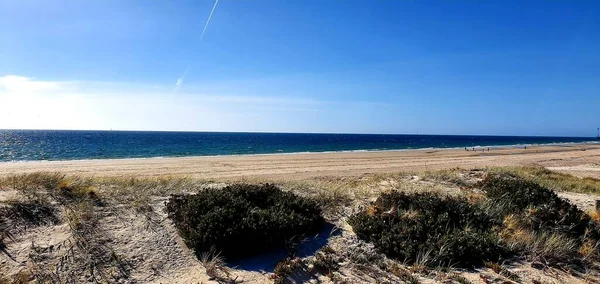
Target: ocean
point(26, 145)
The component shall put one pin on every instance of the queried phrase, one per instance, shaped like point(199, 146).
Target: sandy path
point(582, 160)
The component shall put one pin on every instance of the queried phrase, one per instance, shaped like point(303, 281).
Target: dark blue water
point(21, 145)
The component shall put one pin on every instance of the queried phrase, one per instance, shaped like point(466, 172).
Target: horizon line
point(291, 132)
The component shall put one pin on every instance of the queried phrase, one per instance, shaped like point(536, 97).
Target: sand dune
point(581, 160)
point(132, 222)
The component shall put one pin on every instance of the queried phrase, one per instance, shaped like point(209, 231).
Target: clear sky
point(370, 66)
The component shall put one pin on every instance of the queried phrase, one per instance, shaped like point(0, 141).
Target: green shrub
point(515, 194)
point(539, 208)
point(242, 220)
point(448, 230)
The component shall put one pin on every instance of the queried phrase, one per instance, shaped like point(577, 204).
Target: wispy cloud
point(180, 81)
point(41, 104)
point(29, 103)
point(25, 85)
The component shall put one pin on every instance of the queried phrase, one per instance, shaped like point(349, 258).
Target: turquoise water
point(23, 145)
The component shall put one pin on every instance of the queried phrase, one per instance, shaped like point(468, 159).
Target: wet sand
point(579, 159)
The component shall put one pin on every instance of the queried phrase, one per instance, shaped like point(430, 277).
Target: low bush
point(538, 223)
point(448, 230)
point(241, 220)
point(539, 208)
point(515, 194)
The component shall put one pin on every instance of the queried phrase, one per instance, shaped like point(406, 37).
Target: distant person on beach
point(525, 147)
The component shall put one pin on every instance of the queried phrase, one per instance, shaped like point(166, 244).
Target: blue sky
point(437, 67)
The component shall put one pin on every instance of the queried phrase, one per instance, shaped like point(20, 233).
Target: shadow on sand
point(267, 261)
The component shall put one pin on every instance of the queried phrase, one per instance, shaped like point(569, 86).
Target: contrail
point(180, 79)
point(209, 16)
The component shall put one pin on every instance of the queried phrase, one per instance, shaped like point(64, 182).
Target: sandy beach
point(579, 159)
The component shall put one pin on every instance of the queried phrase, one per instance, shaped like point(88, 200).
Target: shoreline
point(495, 147)
point(582, 159)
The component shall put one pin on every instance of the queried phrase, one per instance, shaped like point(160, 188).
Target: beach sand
point(579, 159)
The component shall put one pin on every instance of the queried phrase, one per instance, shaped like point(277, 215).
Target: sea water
point(24, 145)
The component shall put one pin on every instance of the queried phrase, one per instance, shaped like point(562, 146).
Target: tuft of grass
point(552, 246)
point(137, 193)
point(363, 254)
point(58, 187)
point(24, 182)
point(589, 250)
point(595, 215)
point(287, 268)
point(76, 189)
point(160, 186)
point(451, 176)
point(332, 196)
point(544, 246)
point(215, 266)
point(325, 261)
